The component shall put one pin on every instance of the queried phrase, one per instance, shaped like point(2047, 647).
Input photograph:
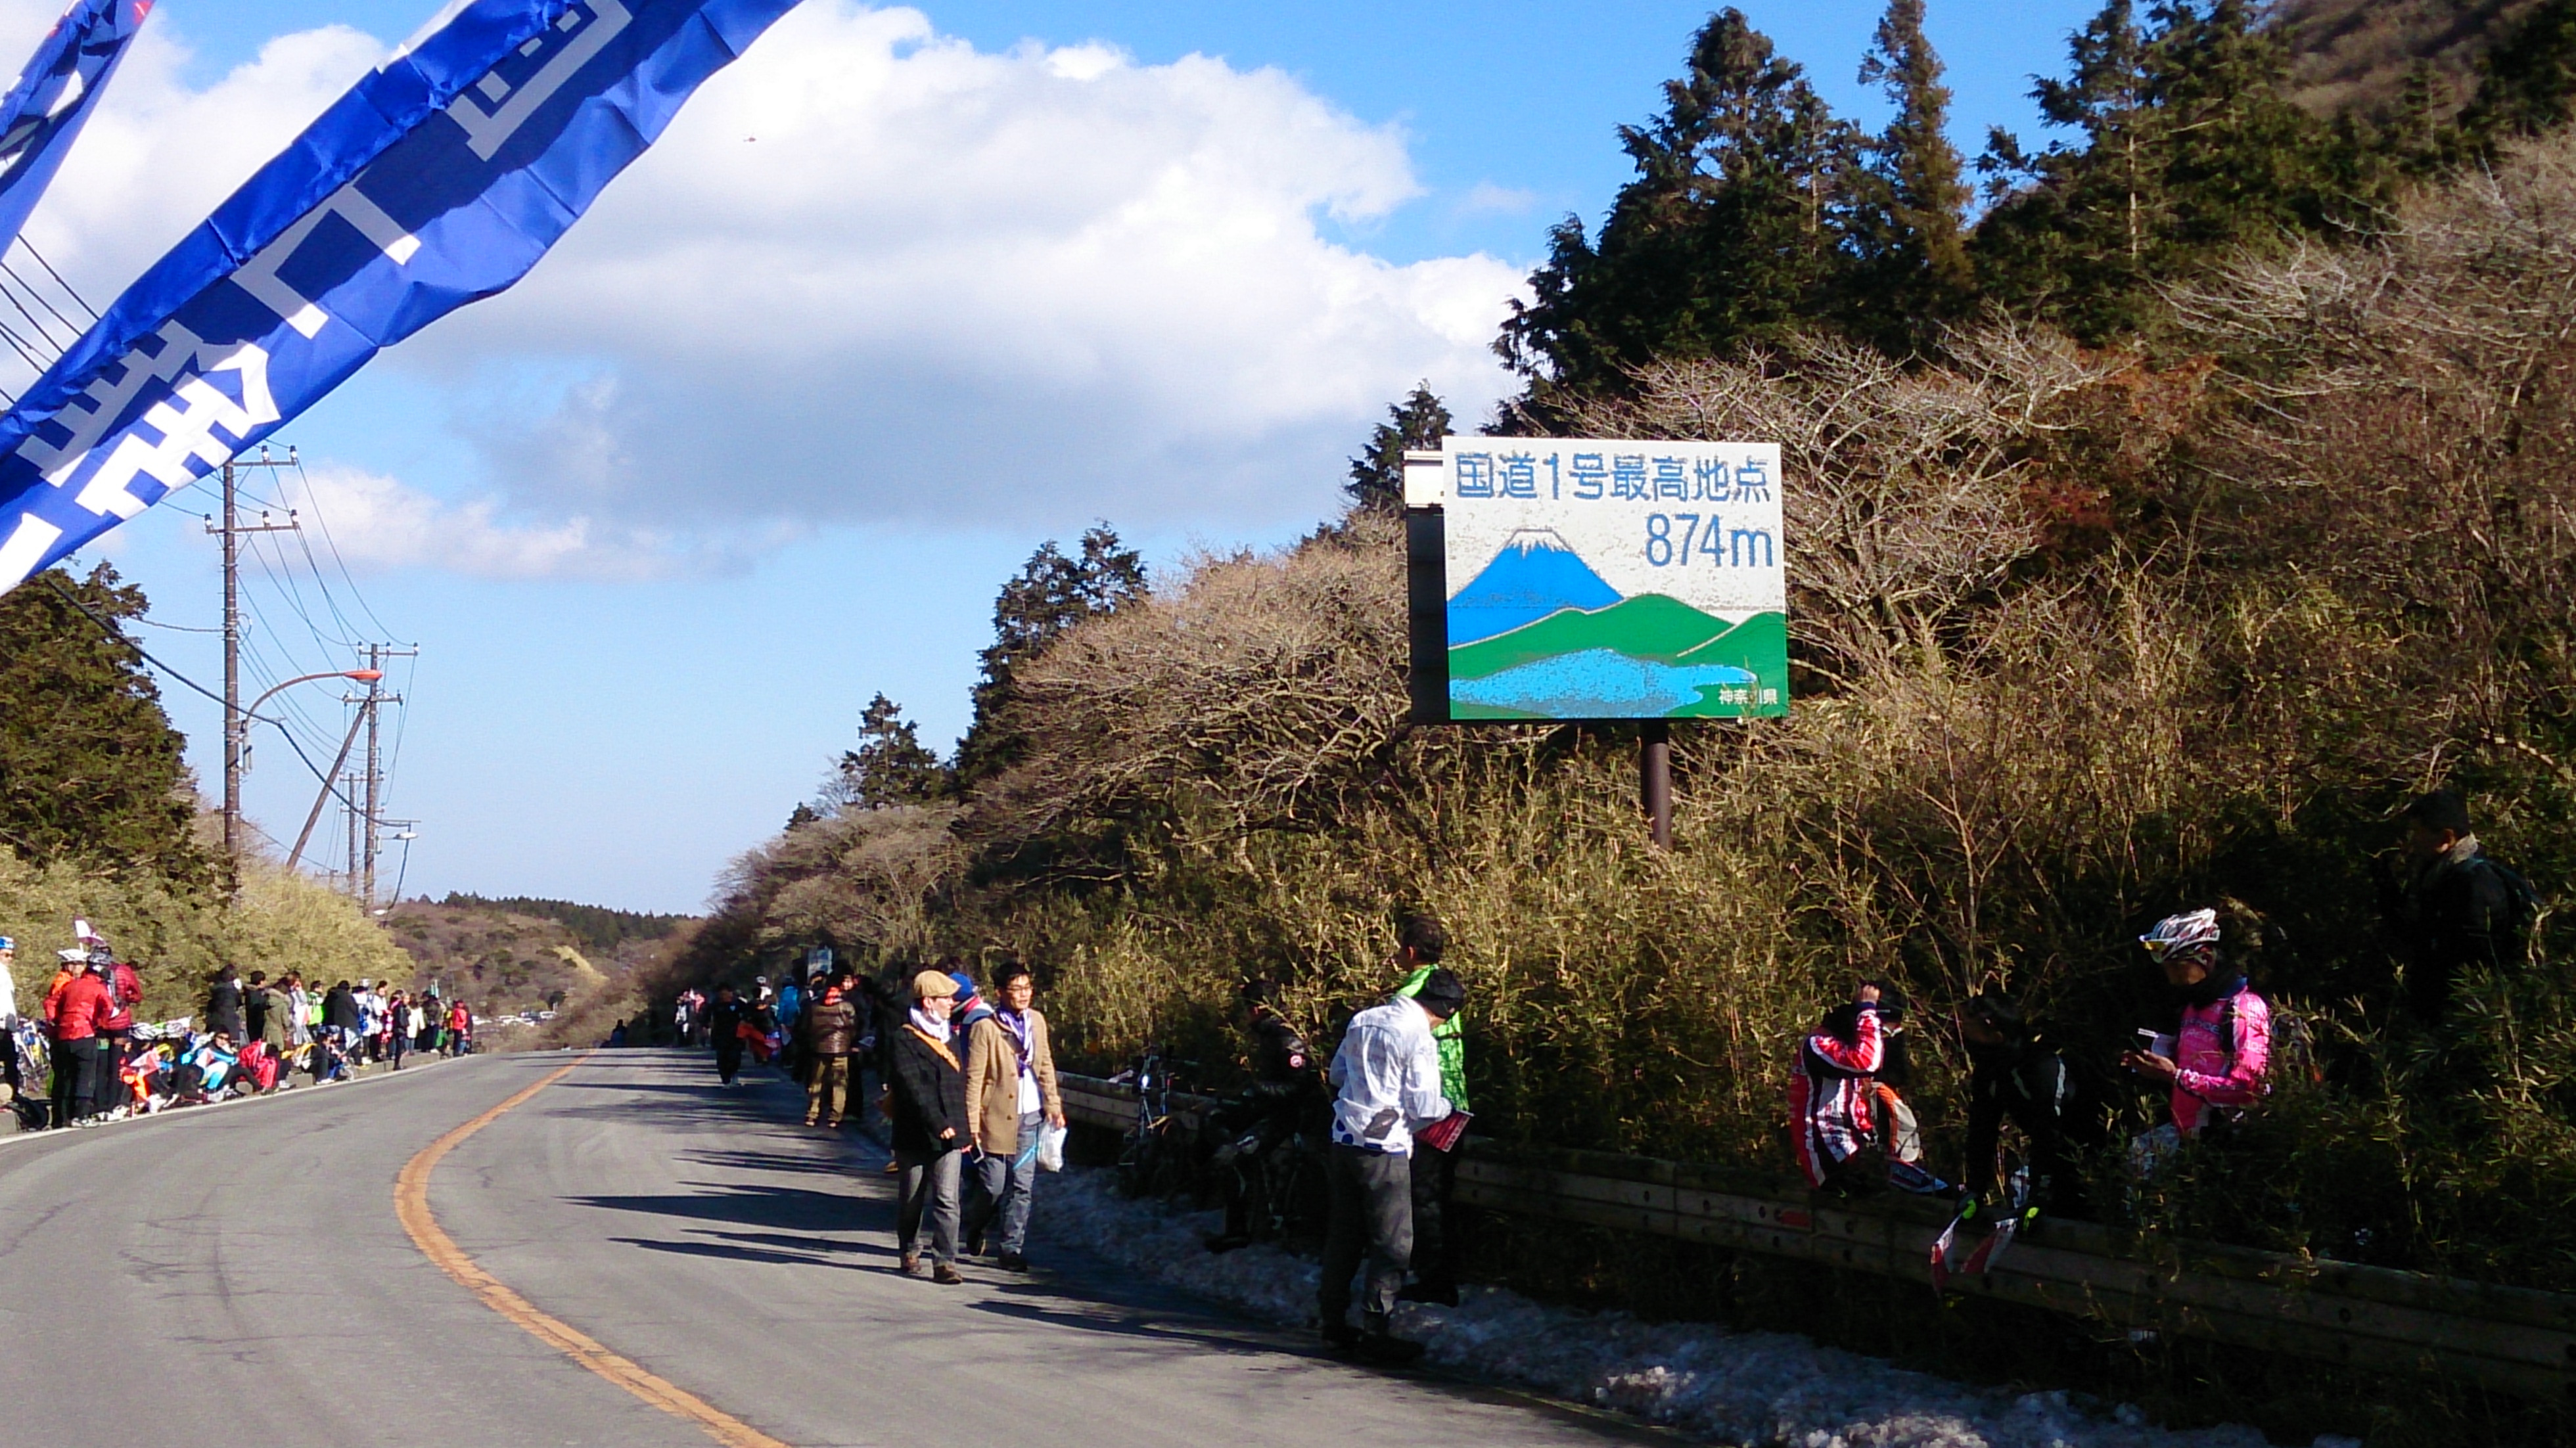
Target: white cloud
point(375, 523)
point(1486, 198)
point(158, 157)
point(873, 274)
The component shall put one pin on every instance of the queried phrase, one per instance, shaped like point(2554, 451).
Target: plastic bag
point(1051, 1147)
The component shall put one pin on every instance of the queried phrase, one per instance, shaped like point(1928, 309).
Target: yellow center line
point(411, 1206)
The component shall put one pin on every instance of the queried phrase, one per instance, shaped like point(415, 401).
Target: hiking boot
point(1341, 1336)
point(893, 1167)
point(809, 1122)
point(909, 1264)
point(947, 1276)
point(1014, 1262)
point(1387, 1350)
point(1229, 1242)
point(1443, 1293)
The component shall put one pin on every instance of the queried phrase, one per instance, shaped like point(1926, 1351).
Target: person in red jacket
point(85, 1002)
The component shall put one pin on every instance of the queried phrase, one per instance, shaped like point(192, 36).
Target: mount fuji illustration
point(1539, 635)
point(1535, 573)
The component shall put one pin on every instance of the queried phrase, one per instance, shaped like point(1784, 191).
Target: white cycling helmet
point(2182, 934)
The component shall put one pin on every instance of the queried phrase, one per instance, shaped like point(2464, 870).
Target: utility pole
point(366, 829)
point(236, 723)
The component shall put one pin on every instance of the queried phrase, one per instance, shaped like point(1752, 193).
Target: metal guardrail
point(2512, 1340)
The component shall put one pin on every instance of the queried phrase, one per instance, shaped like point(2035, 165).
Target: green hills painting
point(1646, 657)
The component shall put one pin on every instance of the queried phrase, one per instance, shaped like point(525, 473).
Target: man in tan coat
point(1010, 1093)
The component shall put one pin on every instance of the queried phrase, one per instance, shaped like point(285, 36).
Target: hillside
point(502, 956)
point(2356, 55)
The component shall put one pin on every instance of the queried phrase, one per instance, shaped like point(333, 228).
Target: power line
point(68, 289)
point(314, 501)
point(55, 311)
point(108, 627)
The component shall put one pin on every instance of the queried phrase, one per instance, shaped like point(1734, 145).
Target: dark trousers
point(729, 1058)
point(1435, 1246)
point(1372, 1195)
point(71, 1059)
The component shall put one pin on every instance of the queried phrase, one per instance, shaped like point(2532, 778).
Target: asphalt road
point(238, 1275)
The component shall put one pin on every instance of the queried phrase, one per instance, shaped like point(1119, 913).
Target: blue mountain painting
point(1536, 573)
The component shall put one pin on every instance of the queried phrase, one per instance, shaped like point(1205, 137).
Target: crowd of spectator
point(84, 1058)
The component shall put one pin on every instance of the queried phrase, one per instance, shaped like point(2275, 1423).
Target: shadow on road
point(786, 1208)
point(735, 1253)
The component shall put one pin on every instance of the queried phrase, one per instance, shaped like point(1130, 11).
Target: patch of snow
point(1756, 1389)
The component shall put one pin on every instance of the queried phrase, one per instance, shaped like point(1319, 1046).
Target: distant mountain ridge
point(2356, 55)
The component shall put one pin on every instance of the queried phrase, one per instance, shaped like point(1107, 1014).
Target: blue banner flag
point(436, 181)
point(42, 115)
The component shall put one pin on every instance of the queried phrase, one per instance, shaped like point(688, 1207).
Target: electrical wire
point(33, 325)
point(314, 501)
point(68, 289)
point(56, 312)
point(109, 628)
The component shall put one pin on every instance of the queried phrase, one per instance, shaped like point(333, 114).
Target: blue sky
point(899, 298)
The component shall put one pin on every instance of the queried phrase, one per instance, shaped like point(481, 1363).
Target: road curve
point(240, 1275)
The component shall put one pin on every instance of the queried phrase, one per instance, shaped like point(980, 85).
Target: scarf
point(2213, 988)
point(1016, 1026)
point(932, 1030)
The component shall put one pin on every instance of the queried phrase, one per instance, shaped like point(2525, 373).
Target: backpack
point(2522, 902)
point(2294, 1044)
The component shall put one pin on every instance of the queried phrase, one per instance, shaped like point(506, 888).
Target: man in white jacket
point(1386, 1080)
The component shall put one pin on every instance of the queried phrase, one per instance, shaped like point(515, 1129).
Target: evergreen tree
point(2189, 150)
point(1052, 593)
point(1731, 234)
point(804, 814)
point(90, 768)
point(1909, 222)
point(1377, 475)
point(891, 766)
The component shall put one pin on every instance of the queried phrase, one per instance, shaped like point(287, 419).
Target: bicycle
point(1156, 1158)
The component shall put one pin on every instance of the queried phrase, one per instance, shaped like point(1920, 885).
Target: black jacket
point(724, 1020)
point(224, 1008)
point(2028, 1083)
point(340, 1010)
point(929, 1095)
point(2462, 914)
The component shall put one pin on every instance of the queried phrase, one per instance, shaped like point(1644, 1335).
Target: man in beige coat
point(1010, 1093)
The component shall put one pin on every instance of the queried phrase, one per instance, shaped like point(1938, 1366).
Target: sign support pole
point(1655, 775)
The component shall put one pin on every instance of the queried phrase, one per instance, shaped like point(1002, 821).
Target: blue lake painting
point(1595, 684)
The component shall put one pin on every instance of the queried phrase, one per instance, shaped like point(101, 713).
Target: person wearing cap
point(1386, 1084)
point(2448, 908)
point(930, 1127)
point(1420, 942)
point(1010, 1094)
point(2215, 1061)
point(79, 1063)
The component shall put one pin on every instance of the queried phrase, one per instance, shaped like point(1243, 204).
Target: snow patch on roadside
point(1749, 1388)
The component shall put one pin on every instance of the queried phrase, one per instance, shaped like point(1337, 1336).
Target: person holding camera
point(2214, 1064)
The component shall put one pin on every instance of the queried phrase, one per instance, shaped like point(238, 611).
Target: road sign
point(1597, 579)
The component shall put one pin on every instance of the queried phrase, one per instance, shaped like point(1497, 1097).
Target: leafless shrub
point(1908, 490)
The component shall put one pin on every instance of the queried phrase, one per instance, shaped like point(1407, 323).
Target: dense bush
point(2082, 637)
